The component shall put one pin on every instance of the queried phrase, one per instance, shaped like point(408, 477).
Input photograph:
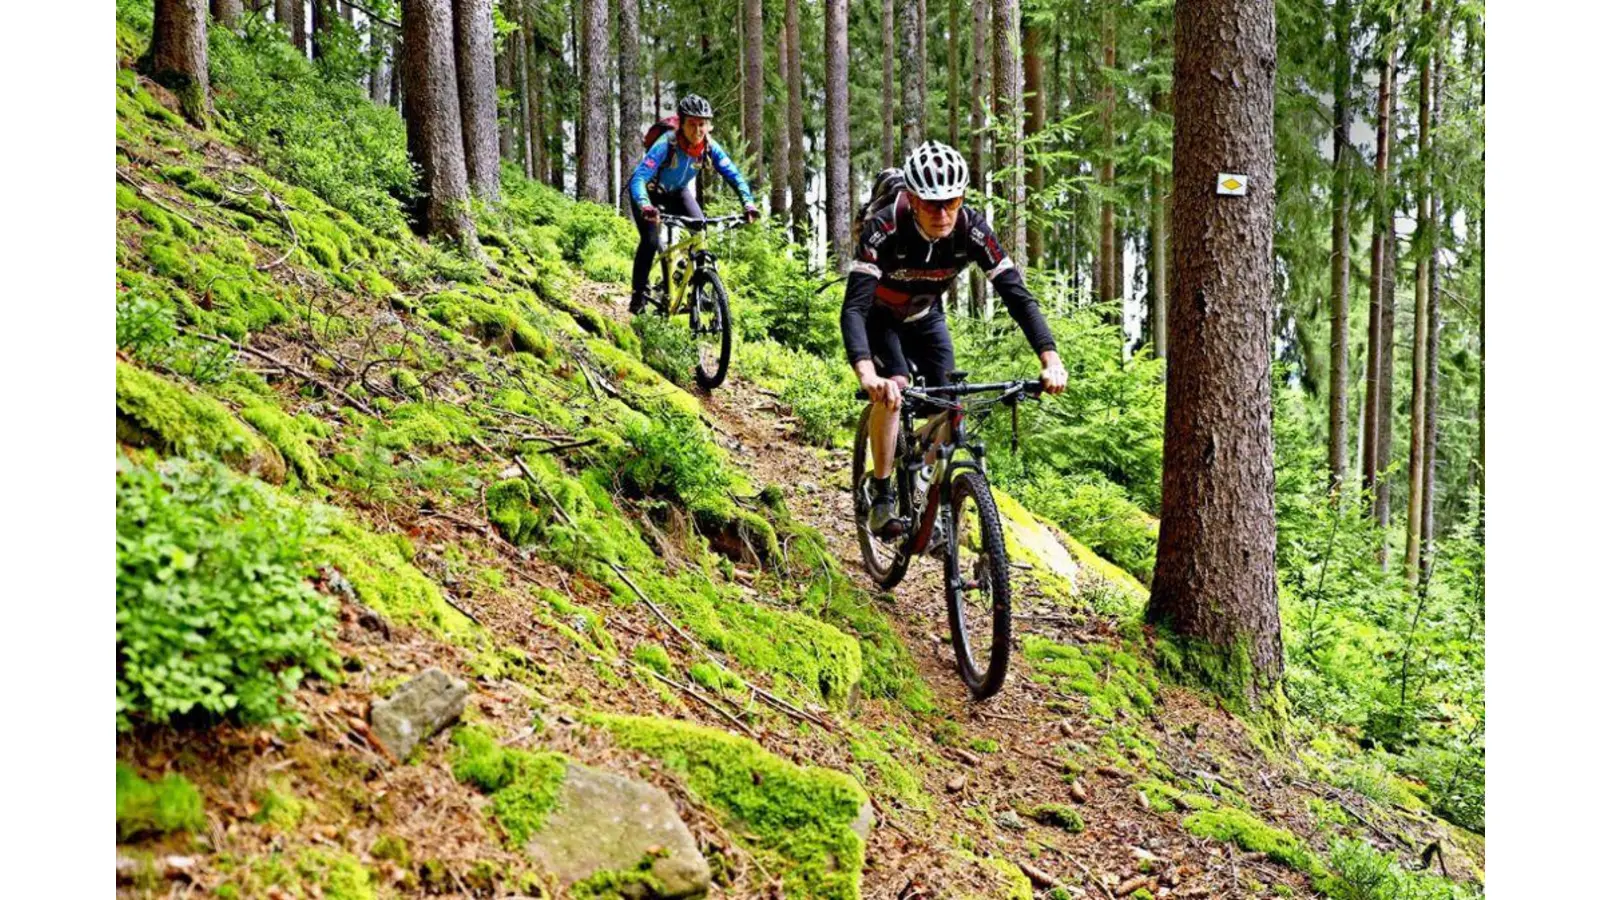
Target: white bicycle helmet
point(936, 171)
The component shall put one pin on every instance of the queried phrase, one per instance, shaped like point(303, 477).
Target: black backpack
point(886, 189)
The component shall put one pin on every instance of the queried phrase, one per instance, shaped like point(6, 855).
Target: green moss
point(393, 848)
point(379, 568)
point(1111, 679)
point(428, 426)
point(984, 745)
point(653, 656)
point(1251, 834)
point(1228, 672)
point(1164, 797)
point(1058, 815)
point(883, 755)
point(615, 885)
point(145, 808)
point(525, 786)
point(339, 874)
point(510, 510)
point(154, 412)
point(290, 435)
point(1012, 884)
point(797, 816)
point(279, 808)
point(714, 677)
point(490, 321)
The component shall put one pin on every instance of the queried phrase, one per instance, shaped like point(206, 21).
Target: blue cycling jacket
point(683, 169)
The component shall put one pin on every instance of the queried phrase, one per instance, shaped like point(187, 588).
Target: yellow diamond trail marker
point(1230, 185)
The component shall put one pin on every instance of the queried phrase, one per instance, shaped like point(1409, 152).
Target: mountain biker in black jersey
point(909, 253)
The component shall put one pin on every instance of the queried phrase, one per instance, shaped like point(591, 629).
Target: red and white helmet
point(936, 171)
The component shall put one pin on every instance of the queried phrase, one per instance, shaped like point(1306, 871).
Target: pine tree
point(475, 78)
point(1033, 122)
point(595, 105)
point(837, 35)
point(982, 27)
point(913, 75)
point(1109, 287)
point(795, 90)
point(779, 170)
point(433, 117)
point(1421, 240)
point(227, 12)
point(630, 121)
point(1372, 463)
point(1339, 330)
point(1215, 588)
point(1008, 109)
point(887, 23)
point(755, 54)
point(177, 56)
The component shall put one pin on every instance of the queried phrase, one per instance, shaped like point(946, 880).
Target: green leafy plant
point(215, 614)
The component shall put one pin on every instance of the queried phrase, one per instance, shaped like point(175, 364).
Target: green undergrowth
point(797, 818)
point(330, 873)
point(524, 785)
point(146, 808)
point(161, 414)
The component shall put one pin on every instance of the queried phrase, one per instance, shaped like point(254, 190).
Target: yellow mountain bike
point(689, 283)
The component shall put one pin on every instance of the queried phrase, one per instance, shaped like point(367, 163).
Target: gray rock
point(864, 820)
point(1009, 819)
point(604, 822)
point(417, 711)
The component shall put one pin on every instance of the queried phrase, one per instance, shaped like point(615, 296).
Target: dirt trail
point(978, 795)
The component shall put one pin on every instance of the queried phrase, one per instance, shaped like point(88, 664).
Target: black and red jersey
point(900, 269)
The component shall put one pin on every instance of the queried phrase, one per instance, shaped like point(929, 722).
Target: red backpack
point(655, 131)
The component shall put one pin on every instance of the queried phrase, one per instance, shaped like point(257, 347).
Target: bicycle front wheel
point(881, 558)
point(977, 585)
point(711, 329)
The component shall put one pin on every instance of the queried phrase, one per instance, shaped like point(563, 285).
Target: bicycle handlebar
point(1032, 388)
point(691, 221)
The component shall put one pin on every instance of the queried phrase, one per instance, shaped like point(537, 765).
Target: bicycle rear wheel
point(880, 557)
point(977, 585)
point(710, 329)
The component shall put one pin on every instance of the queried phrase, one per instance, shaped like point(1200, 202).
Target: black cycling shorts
point(896, 345)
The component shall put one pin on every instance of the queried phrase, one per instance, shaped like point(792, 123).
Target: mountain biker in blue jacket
point(665, 180)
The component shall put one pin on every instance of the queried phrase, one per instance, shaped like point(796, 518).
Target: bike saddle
point(957, 376)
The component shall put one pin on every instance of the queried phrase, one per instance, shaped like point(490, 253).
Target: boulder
point(608, 823)
point(417, 711)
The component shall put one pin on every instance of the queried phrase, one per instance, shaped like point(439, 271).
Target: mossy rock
point(170, 418)
point(809, 821)
point(154, 808)
point(1056, 815)
point(1249, 833)
point(379, 569)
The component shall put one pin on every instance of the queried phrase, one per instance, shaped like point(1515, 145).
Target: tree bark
point(1008, 106)
point(1422, 239)
point(433, 118)
point(1339, 330)
point(913, 32)
point(837, 109)
point(953, 71)
point(596, 102)
point(505, 66)
point(982, 27)
point(177, 56)
point(474, 25)
point(227, 12)
point(1386, 386)
point(887, 21)
point(630, 104)
point(298, 35)
point(1435, 319)
point(323, 15)
point(1033, 123)
point(800, 212)
point(1158, 264)
point(755, 82)
point(1372, 464)
point(779, 171)
point(1110, 287)
point(530, 153)
point(1215, 588)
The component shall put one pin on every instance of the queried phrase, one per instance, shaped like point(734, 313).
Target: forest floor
point(970, 799)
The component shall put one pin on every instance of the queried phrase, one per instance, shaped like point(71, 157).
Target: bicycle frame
point(681, 258)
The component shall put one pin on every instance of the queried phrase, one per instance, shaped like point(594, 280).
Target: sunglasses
point(949, 205)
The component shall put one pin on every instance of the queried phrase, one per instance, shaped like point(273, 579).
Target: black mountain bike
point(689, 283)
point(946, 510)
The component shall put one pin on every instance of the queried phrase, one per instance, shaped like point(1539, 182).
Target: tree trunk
point(779, 171)
point(837, 110)
point(505, 65)
point(433, 118)
point(755, 82)
point(1033, 93)
point(913, 32)
point(1215, 589)
point(227, 12)
point(1339, 330)
point(889, 158)
point(1158, 264)
point(1110, 287)
point(1435, 321)
point(177, 56)
point(323, 15)
point(474, 24)
point(299, 36)
point(978, 295)
point(1422, 239)
point(630, 103)
point(596, 102)
point(799, 211)
point(1381, 504)
point(1372, 465)
point(1008, 106)
point(531, 151)
point(953, 71)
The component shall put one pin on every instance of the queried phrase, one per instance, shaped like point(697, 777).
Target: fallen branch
point(1039, 877)
point(1086, 873)
point(293, 233)
point(288, 367)
point(146, 193)
point(702, 698)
